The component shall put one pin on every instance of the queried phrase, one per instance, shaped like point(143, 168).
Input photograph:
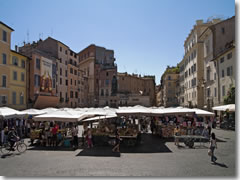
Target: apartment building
point(99, 68)
point(42, 77)
point(5, 46)
point(219, 61)
point(169, 84)
point(18, 80)
point(192, 66)
point(67, 68)
point(72, 83)
point(136, 90)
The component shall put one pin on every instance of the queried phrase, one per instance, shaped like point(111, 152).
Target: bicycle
point(19, 145)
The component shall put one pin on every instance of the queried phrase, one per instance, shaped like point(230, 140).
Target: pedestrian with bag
point(212, 147)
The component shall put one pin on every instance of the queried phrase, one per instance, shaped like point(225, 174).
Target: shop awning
point(46, 101)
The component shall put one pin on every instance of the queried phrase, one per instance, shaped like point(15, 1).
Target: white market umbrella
point(7, 112)
point(201, 112)
point(33, 112)
point(230, 107)
point(59, 115)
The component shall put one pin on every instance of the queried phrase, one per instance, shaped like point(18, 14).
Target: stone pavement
point(154, 157)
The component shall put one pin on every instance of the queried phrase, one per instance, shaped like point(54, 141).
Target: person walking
point(75, 136)
point(177, 133)
point(117, 145)
point(212, 147)
point(89, 138)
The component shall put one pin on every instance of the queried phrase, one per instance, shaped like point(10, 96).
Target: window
point(21, 97)
point(66, 73)
point(54, 85)
point(195, 67)
point(66, 62)
point(37, 63)
point(223, 90)
point(71, 94)
point(65, 51)
point(215, 92)
point(60, 81)
point(106, 92)
point(75, 72)
point(107, 82)
point(66, 82)
point(208, 92)
point(106, 73)
point(76, 94)
point(75, 82)
point(223, 73)
point(169, 77)
point(192, 69)
point(102, 92)
point(22, 76)
point(4, 58)
point(229, 71)
point(71, 70)
point(13, 97)
point(60, 49)
point(60, 71)
point(23, 63)
point(189, 71)
point(222, 60)
point(4, 36)
point(4, 81)
point(229, 56)
point(15, 60)
point(14, 75)
point(194, 82)
point(36, 80)
point(71, 81)
point(223, 30)
point(194, 53)
point(3, 100)
point(208, 73)
point(215, 76)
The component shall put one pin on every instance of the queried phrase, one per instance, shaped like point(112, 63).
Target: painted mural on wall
point(46, 75)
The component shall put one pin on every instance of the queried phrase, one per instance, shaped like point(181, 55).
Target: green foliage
point(173, 70)
point(230, 98)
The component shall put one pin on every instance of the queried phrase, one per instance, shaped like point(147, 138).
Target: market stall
point(226, 116)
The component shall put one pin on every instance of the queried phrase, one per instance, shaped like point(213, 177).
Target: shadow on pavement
point(42, 148)
point(220, 164)
point(149, 144)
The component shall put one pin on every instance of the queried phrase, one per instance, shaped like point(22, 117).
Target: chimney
point(199, 22)
point(16, 48)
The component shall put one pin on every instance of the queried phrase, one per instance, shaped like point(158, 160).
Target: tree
point(230, 99)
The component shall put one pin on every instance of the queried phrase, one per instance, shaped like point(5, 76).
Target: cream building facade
point(219, 61)
point(192, 66)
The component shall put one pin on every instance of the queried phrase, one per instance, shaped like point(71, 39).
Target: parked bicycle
point(19, 145)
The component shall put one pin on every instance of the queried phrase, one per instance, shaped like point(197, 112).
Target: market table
point(190, 139)
point(128, 140)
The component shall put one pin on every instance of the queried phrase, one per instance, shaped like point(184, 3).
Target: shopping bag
point(209, 152)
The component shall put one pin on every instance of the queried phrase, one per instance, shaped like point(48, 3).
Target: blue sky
point(146, 35)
